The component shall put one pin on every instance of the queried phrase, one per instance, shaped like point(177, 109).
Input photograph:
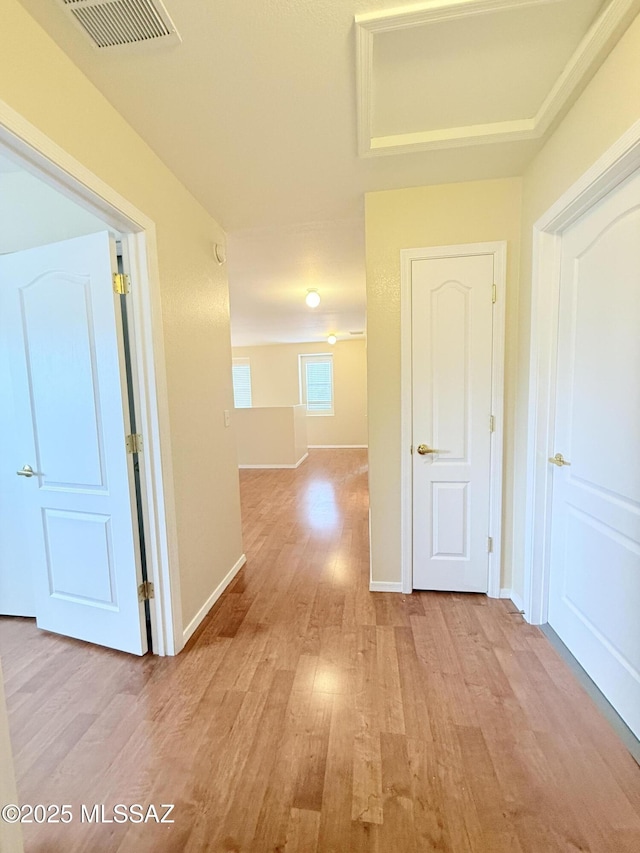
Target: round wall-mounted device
point(220, 253)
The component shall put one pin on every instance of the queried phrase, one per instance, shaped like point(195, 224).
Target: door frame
point(614, 166)
point(407, 257)
point(42, 157)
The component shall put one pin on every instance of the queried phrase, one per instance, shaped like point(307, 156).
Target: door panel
point(61, 365)
point(452, 316)
point(450, 503)
point(71, 420)
point(72, 540)
point(449, 356)
point(594, 593)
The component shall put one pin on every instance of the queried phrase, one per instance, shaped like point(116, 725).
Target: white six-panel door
point(63, 344)
point(452, 316)
point(594, 596)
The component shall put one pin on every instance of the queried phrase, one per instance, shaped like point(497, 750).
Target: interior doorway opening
point(31, 160)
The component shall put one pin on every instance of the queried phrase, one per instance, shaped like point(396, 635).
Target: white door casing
point(69, 389)
point(594, 579)
point(452, 380)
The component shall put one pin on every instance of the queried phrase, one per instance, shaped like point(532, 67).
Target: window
point(316, 383)
point(241, 370)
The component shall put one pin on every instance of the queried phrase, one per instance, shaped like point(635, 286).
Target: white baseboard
point(297, 465)
point(370, 550)
point(215, 595)
point(385, 586)
point(337, 446)
point(515, 598)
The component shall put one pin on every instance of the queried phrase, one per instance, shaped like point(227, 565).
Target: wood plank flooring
point(308, 715)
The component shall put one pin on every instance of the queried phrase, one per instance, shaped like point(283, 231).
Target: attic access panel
point(451, 73)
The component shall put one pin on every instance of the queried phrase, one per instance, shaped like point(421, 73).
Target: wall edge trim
point(215, 595)
point(513, 596)
point(385, 586)
point(276, 467)
point(337, 446)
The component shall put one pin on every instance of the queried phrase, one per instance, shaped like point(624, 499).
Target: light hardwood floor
point(308, 715)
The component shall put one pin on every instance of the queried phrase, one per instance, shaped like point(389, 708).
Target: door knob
point(559, 460)
point(424, 449)
point(26, 471)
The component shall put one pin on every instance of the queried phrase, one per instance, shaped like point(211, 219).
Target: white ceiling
point(277, 265)
point(256, 112)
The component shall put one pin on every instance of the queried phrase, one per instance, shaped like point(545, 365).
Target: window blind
point(317, 383)
point(241, 370)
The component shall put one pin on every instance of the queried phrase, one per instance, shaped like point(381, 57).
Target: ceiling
point(277, 265)
point(272, 113)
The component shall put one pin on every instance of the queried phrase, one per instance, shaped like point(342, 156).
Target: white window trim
point(306, 358)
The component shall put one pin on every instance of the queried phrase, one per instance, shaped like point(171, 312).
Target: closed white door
point(452, 319)
point(594, 596)
point(63, 345)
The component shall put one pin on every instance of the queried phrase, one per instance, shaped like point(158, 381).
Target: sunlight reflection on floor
point(319, 506)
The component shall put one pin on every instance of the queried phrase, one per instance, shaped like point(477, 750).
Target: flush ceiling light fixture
point(332, 339)
point(312, 298)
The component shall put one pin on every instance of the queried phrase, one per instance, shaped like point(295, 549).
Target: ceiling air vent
point(121, 23)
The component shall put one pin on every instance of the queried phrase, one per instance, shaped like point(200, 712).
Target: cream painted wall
point(300, 439)
point(33, 214)
point(271, 436)
point(448, 214)
point(608, 107)
point(275, 382)
point(42, 84)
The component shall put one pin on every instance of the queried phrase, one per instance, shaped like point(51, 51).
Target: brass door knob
point(26, 471)
point(424, 449)
point(559, 460)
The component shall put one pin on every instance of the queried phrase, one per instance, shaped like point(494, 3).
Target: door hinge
point(146, 591)
point(489, 544)
point(494, 293)
point(492, 423)
point(121, 283)
point(134, 443)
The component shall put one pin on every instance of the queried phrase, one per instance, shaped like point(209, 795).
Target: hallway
point(307, 714)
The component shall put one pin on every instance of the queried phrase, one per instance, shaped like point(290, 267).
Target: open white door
point(452, 328)
point(63, 341)
point(594, 593)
